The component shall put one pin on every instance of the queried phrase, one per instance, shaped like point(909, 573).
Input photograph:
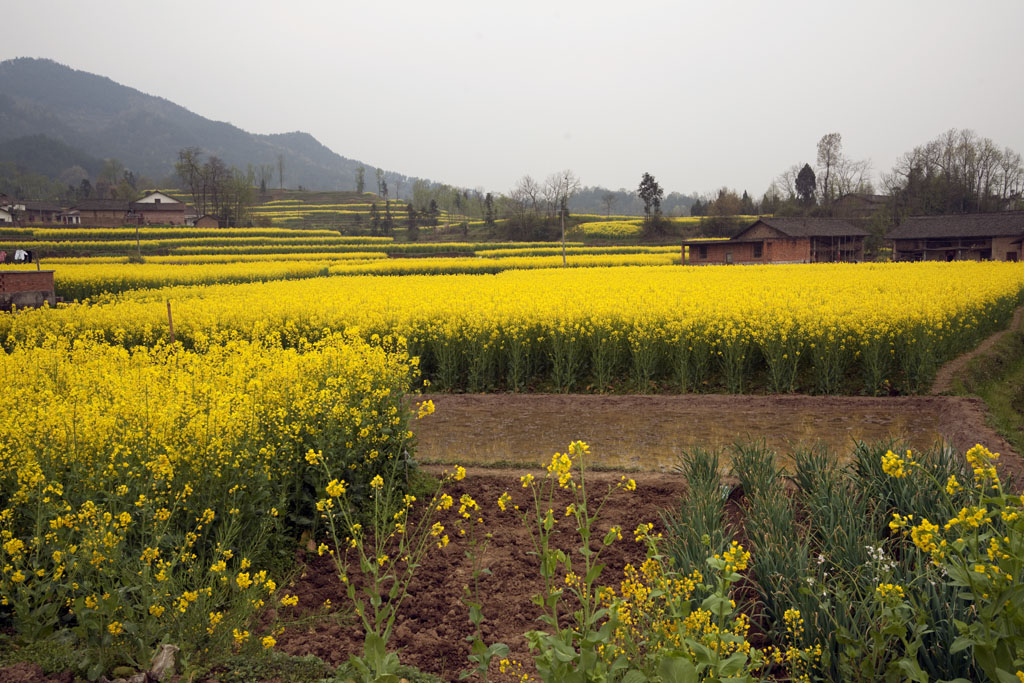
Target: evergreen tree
point(806, 185)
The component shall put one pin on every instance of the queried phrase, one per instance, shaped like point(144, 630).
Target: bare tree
point(956, 172)
point(786, 182)
point(559, 187)
point(266, 175)
point(830, 154)
point(280, 171)
point(190, 169)
point(850, 176)
point(530, 189)
point(608, 199)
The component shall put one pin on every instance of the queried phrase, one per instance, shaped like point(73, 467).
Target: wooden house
point(784, 240)
point(959, 237)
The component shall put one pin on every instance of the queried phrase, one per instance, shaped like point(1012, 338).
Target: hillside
point(88, 117)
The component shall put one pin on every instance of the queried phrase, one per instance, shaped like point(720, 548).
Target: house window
point(728, 257)
point(758, 249)
point(702, 252)
point(156, 200)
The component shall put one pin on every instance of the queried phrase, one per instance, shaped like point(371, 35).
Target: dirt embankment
point(649, 433)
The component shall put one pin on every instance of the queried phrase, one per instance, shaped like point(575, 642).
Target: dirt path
point(943, 383)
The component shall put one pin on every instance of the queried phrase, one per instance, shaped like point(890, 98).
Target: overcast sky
point(478, 93)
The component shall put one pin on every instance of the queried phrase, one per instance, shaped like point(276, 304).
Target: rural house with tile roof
point(959, 237)
point(783, 240)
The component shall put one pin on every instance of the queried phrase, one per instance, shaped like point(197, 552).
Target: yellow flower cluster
point(896, 466)
point(736, 558)
point(890, 592)
point(560, 468)
point(647, 609)
point(800, 662)
point(982, 462)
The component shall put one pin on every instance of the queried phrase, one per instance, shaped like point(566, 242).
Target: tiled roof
point(102, 205)
point(810, 227)
point(960, 225)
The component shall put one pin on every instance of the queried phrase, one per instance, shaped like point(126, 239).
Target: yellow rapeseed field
point(827, 328)
point(147, 492)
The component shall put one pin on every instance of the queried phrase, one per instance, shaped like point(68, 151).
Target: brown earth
point(649, 433)
point(434, 623)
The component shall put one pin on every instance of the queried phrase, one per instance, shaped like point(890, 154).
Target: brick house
point(157, 208)
point(103, 213)
point(35, 213)
point(784, 240)
point(157, 213)
point(959, 237)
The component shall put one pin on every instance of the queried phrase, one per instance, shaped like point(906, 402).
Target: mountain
point(81, 117)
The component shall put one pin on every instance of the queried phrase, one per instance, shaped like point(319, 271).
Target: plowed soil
point(434, 624)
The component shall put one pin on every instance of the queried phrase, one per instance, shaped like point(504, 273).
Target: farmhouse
point(784, 240)
point(104, 213)
point(156, 213)
point(159, 208)
point(156, 208)
point(40, 212)
point(959, 237)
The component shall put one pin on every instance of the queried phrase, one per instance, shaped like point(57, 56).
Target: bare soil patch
point(434, 623)
point(650, 432)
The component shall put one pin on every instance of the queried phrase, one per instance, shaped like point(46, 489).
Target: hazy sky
point(479, 93)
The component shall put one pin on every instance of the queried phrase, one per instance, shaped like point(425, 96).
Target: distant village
point(995, 236)
point(153, 208)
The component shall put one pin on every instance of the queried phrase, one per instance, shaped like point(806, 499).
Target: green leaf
point(634, 676)
point(498, 650)
point(677, 670)
point(733, 664)
point(594, 572)
point(960, 644)
point(704, 655)
point(912, 671)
